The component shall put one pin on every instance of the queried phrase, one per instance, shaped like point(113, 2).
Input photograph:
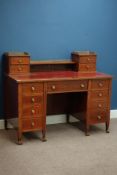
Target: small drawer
point(98, 116)
point(32, 88)
point(19, 60)
point(99, 94)
point(87, 59)
point(87, 67)
point(99, 105)
point(99, 84)
point(29, 110)
point(19, 69)
point(73, 86)
point(33, 100)
point(31, 124)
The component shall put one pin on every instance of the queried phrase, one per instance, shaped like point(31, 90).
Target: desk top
point(57, 76)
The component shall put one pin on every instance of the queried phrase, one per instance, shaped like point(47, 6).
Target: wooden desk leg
point(6, 124)
point(87, 127)
point(43, 136)
point(19, 135)
point(107, 127)
point(67, 118)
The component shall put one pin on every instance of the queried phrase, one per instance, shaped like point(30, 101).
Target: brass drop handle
point(99, 105)
point(100, 94)
point(82, 85)
point(101, 84)
point(32, 124)
point(19, 68)
point(33, 111)
point(99, 117)
point(20, 60)
point(33, 88)
point(53, 87)
point(33, 99)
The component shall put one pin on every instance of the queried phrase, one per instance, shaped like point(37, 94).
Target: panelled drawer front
point(19, 68)
point(98, 116)
point(100, 84)
point(87, 67)
point(98, 104)
point(19, 60)
point(33, 100)
point(33, 111)
point(31, 124)
point(32, 88)
point(99, 94)
point(87, 59)
point(67, 86)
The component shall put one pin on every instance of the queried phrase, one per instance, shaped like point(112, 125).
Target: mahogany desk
point(57, 88)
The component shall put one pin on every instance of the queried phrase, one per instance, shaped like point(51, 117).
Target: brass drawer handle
point(53, 87)
point(82, 85)
point(100, 84)
point(20, 60)
point(99, 105)
point(33, 100)
point(99, 117)
point(32, 124)
point(19, 68)
point(88, 59)
point(100, 94)
point(33, 88)
point(33, 111)
point(87, 66)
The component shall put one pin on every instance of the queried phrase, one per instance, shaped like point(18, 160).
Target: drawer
point(19, 60)
point(98, 105)
point(32, 124)
point(99, 84)
point(32, 100)
point(99, 94)
point(34, 111)
point(19, 68)
point(87, 59)
point(98, 116)
point(87, 67)
point(68, 86)
point(32, 88)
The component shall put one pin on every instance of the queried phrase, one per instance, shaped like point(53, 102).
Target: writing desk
point(57, 87)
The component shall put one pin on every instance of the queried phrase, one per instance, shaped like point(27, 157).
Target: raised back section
point(53, 65)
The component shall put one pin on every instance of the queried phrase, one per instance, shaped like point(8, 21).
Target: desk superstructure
point(34, 89)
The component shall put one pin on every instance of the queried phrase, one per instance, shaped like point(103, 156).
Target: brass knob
point(88, 59)
point(99, 105)
point(33, 111)
point(20, 60)
point(33, 99)
point(19, 68)
point(82, 85)
point(53, 87)
point(100, 94)
point(100, 84)
point(32, 124)
point(99, 117)
point(33, 88)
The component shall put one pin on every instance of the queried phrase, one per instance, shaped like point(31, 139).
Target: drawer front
point(98, 104)
point(31, 124)
point(98, 116)
point(100, 84)
point(87, 59)
point(19, 68)
point(53, 87)
point(32, 88)
point(87, 67)
point(33, 111)
point(19, 60)
point(33, 100)
point(99, 94)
